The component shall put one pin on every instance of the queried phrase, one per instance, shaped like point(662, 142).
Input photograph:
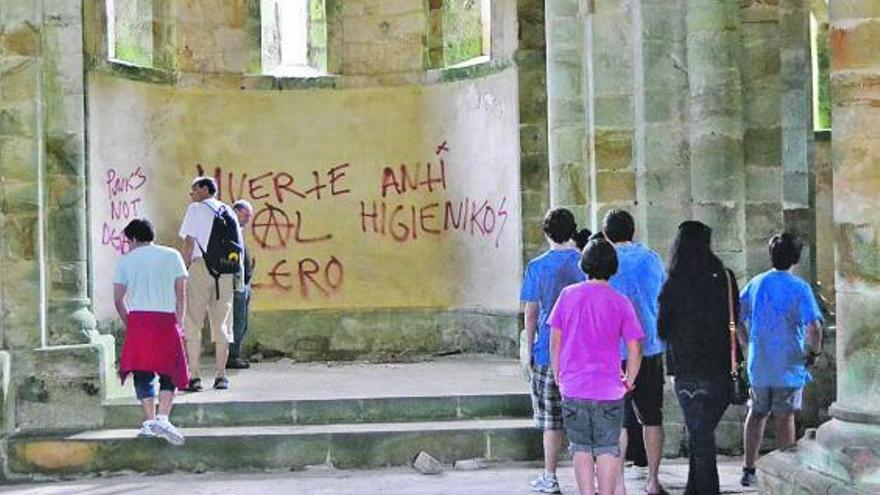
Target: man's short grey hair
point(242, 204)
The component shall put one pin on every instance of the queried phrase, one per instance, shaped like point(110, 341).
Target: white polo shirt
point(198, 221)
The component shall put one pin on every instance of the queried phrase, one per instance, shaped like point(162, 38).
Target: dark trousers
point(241, 302)
point(703, 401)
point(145, 384)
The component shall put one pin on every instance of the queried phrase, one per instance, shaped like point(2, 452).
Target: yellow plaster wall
point(146, 141)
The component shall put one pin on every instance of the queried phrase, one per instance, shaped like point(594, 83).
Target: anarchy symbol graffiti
point(271, 227)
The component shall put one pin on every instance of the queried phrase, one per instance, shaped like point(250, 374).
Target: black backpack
point(224, 251)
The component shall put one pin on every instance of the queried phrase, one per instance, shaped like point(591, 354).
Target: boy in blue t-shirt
point(785, 337)
point(545, 277)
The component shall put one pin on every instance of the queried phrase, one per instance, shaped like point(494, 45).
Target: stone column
point(715, 125)
point(762, 115)
point(796, 121)
point(845, 455)
point(54, 363)
point(854, 435)
point(530, 57)
point(64, 182)
point(610, 106)
point(21, 273)
point(661, 131)
point(569, 168)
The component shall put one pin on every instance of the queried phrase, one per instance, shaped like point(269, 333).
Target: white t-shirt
point(198, 221)
point(148, 273)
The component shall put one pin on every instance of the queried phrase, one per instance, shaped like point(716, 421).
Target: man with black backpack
point(212, 251)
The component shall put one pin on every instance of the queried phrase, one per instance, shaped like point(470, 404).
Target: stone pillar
point(64, 182)
point(21, 140)
point(569, 167)
point(844, 457)
point(715, 125)
point(610, 106)
point(661, 131)
point(762, 114)
point(798, 193)
point(531, 60)
point(55, 365)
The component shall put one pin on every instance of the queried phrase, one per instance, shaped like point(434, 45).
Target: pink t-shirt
point(592, 319)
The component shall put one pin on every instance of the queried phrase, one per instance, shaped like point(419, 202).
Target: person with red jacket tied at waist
point(149, 287)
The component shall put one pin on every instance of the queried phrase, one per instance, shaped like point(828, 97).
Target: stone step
point(127, 413)
point(344, 446)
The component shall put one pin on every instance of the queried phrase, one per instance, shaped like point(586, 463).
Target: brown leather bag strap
point(731, 324)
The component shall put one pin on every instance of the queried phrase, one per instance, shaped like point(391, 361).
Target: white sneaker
point(545, 483)
point(164, 429)
point(146, 430)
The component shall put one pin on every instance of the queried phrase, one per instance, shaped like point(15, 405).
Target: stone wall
point(370, 44)
point(54, 365)
point(685, 110)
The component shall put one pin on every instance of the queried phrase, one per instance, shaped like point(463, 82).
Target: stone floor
point(506, 479)
point(284, 380)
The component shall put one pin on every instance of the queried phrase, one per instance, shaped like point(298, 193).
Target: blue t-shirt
point(778, 307)
point(544, 279)
point(640, 276)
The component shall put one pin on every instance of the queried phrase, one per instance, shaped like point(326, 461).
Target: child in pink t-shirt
point(588, 323)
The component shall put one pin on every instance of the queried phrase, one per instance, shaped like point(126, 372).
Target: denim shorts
point(783, 400)
point(593, 426)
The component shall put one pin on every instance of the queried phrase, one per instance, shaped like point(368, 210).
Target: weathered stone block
point(532, 95)
point(566, 111)
point(18, 120)
point(614, 111)
point(534, 172)
point(726, 220)
point(616, 186)
point(667, 146)
point(532, 139)
point(19, 159)
point(19, 197)
point(568, 144)
point(613, 149)
point(763, 146)
point(764, 220)
point(717, 168)
point(796, 189)
point(59, 389)
point(572, 184)
point(535, 202)
point(517, 445)
point(21, 39)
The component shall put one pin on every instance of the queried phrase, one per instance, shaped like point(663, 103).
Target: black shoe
point(194, 385)
point(749, 478)
point(237, 364)
point(221, 383)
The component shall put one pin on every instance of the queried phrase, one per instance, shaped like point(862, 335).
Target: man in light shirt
point(205, 296)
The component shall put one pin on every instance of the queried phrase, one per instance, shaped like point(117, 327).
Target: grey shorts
point(593, 426)
point(783, 400)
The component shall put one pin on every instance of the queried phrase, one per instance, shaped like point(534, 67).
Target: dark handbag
point(739, 384)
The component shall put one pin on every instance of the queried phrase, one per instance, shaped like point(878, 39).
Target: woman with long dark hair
point(694, 320)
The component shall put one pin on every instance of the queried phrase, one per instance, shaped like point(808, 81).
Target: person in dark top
point(693, 320)
point(241, 298)
point(581, 238)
